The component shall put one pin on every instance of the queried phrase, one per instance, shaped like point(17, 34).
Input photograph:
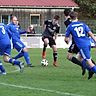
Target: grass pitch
point(65, 80)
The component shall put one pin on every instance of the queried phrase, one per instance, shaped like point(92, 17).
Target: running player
point(14, 33)
point(5, 49)
point(80, 32)
point(51, 28)
point(73, 49)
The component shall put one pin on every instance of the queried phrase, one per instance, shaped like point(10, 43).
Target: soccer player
point(80, 32)
point(5, 49)
point(51, 28)
point(14, 33)
point(73, 49)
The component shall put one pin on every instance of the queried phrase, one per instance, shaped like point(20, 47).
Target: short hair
point(56, 17)
point(73, 15)
point(66, 12)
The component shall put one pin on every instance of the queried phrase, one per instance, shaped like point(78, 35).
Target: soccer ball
point(44, 62)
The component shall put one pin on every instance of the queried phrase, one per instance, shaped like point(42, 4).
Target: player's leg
point(55, 55)
point(27, 57)
point(46, 42)
point(7, 59)
point(85, 52)
point(52, 44)
point(23, 51)
point(73, 49)
point(2, 69)
point(19, 55)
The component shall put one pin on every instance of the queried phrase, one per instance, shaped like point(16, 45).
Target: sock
point(14, 62)
point(19, 55)
point(2, 67)
point(93, 69)
point(27, 58)
point(76, 61)
point(44, 52)
point(44, 48)
point(93, 61)
point(55, 56)
point(86, 66)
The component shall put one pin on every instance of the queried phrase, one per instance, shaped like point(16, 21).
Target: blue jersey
point(14, 31)
point(5, 45)
point(4, 38)
point(79, 32)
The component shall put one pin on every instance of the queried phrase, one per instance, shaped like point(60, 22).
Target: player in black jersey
point(51, 28)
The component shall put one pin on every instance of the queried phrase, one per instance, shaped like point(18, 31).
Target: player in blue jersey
point(80, 33)
point(14, 33)
point(73, 49)
point(51, 28)
point(5, 49)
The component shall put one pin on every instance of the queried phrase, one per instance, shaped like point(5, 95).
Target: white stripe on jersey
point(77, 25)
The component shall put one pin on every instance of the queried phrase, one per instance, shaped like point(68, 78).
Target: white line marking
point(40, 89)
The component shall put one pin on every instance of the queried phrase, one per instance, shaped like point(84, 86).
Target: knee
point(54, 48)
point(25, 49)
point(6, 58)
point(69, 57)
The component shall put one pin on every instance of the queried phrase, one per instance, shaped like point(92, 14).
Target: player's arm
point(67, 35)
point(92, 35)
point(57, 31)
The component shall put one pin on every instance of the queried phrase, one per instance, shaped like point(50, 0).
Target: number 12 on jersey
point(79, 31)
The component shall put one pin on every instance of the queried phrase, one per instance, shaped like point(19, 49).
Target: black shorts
point(73, 48)
point(51, 40)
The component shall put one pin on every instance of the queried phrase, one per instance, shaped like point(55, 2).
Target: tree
point(87, 7)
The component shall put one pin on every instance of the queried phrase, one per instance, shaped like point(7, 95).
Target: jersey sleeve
point(57, 28)
point(9, 31)
point(87, 29)
point(68, 32)
point(46, 22)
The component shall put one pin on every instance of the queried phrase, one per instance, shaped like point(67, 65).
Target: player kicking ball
point(51, 28)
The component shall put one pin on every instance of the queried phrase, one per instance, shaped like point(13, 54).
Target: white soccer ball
point(44, 62)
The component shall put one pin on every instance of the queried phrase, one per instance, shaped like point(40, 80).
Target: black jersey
point(67, 22)
point(55, 28)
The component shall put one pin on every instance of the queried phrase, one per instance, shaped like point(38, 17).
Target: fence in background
point(35, 41)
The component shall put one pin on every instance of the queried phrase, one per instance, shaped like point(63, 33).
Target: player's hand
point(66, 40)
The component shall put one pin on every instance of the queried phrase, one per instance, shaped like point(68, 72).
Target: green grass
point(65, 80)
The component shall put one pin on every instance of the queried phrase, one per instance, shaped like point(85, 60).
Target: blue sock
point(93, 69)
point(2, 67)
point(27, 58)
point(14, 62)
point(85, 65)
point(19, 55)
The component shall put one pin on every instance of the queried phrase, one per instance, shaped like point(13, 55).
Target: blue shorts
point(18, 45)
point(85, 52)
point(5, 49)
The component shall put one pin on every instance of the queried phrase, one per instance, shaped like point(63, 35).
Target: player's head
point(56, 19)
point(14, 19)
point(66, 12)
point(73, 15)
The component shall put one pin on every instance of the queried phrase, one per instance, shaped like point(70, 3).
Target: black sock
point(44, 48)
point(76, 61)
point(55, 56)
point(93, 61)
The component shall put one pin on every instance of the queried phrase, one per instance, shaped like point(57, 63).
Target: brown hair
point(56, 17)
point(73, 15)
